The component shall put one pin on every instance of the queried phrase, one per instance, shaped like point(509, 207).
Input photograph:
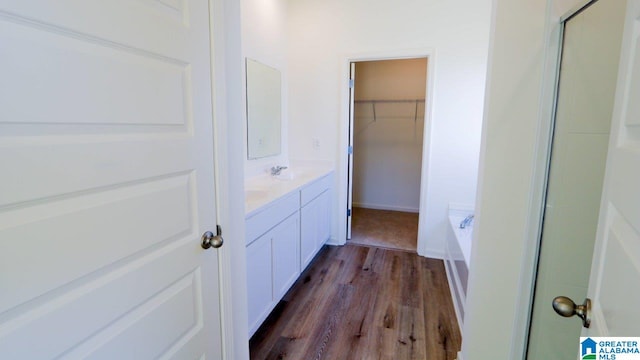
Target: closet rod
point(390, 101)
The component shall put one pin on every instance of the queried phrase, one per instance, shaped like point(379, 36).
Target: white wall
point(388, 142)
point(264, 39)
point(323, 35)
point(522, 58)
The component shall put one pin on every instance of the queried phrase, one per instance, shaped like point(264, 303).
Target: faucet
point(276, 170)
point(466, 222)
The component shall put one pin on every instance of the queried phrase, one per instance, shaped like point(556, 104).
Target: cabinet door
point(308, 232)
point(315, 223)
point(324, 218)
point(259, 278)
point(286, 264)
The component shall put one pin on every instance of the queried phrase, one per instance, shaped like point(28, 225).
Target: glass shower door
point(588, 74)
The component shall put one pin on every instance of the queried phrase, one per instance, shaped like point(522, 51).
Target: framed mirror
point(263, 110)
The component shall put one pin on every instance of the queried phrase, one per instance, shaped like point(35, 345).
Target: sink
point(265, 188)
point(286, 175)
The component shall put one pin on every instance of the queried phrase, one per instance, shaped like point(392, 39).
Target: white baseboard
point(334, 242)
point(432, 254)
point(386, 207)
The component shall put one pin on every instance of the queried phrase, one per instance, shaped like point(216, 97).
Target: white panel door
point(106, 158)
point(615, 271)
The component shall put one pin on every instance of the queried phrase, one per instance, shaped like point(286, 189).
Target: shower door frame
point(547, 140)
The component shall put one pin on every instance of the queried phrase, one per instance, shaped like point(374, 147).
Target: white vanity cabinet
point(283, 235)
point(273, 243)
point(272, 267)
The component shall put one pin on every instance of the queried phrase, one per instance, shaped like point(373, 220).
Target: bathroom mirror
point(263, 110)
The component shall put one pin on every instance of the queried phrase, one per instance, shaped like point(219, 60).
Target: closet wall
point(388, 133)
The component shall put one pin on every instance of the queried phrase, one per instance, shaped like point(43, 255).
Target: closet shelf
point(373, 103)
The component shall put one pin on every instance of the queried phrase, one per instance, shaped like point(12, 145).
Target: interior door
point(352, 88)
point(580, 210)
point(615, 273)
point(106, 158)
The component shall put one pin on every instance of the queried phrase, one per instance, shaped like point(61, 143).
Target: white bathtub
point(457, 259)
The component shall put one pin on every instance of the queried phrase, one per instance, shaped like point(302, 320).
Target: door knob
point(567, 308)
point(209, 240)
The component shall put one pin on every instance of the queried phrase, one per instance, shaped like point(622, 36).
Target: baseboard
point(334, 242)
point(431, 254)
point(386, 207)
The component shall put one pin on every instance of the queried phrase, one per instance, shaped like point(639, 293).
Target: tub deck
point(458, 260)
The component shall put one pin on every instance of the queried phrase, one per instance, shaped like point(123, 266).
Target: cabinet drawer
point(270, 216)
point(314, 189)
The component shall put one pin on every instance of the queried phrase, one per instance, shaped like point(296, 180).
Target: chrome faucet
point(466, 222)
point(276, 170)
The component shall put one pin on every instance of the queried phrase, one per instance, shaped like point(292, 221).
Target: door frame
point(227, 86)
point(343, 137)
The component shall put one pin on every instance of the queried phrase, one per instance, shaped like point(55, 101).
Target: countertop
point(261, 190)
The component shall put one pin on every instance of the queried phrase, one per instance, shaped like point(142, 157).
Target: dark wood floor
point(385, 228)
point(356, 302)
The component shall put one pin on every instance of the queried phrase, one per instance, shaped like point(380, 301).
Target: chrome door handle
point(209, 240)
point(567, 308)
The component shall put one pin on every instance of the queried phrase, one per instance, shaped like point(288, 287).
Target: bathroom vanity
point(287, 221)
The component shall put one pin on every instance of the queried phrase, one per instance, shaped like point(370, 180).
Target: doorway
point(584, 105)
point(387, 117)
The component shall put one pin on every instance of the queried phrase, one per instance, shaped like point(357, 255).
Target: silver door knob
point(567, 308)
point(209, 240)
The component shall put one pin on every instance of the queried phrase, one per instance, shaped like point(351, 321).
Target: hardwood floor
point(356, 302)
point(385, 228)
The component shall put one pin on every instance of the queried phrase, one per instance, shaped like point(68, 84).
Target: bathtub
point(457, 258)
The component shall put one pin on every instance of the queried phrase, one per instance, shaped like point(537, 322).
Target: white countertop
point(263, 189)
